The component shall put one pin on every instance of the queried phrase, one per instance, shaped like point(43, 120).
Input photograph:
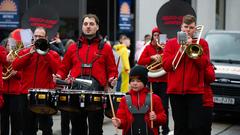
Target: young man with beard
point(90, 59)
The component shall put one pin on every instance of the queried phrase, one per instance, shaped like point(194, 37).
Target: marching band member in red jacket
point(186, 82)
point(12, 95)
point(3, 61)
point(209, 77)
point(134, 114)
point(153, 53)
point(91, 58)
point(37, 70)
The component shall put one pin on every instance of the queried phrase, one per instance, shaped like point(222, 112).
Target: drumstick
point(151, 103)
point(112, 108)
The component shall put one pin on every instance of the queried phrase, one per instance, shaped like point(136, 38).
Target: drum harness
point(95, 84)
point(137, 128)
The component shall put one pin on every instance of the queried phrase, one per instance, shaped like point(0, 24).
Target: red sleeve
point(110, 62)
point(159, 110)
point(145, 58)
point(168, 55)
point(23, 59)
point(54, 60)
point(209, 74)
point(66, 64)
point(122, 114)
point(3, 55)
point(204, 59)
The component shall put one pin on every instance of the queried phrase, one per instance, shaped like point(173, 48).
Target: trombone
point(194, 51)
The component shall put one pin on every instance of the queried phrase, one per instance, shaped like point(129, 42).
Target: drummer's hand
point(55, 77)
point(112, 81)
point(152, 115)
point(70, 80)
point(116, 121)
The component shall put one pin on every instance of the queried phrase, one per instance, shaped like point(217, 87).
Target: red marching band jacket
point(209, 76)
point(138, 100)
point(3, 61)
point(102, 60)
point(37, 70)
point(188, 78)
point(13, 83)
point(145, 60)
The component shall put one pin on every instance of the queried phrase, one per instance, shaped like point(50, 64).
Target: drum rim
point(41, 90)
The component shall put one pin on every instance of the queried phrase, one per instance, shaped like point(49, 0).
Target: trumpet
point(41, 47)
point(193, 51)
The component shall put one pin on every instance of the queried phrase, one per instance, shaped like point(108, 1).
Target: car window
point(224, 46)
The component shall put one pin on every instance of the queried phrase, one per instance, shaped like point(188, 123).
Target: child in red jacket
point(134, 114)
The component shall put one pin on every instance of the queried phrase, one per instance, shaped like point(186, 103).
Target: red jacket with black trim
point(145, 60)
point(188, 78)
point(103, 67)
point(138, 100)
point(37, 70)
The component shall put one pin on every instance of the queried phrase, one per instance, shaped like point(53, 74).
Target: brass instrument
point(193, 51)
point(159, 45)
point(13, 47)
point(41, 47)
point(155, 69)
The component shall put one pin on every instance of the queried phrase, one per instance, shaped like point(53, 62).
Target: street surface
point(226, 125)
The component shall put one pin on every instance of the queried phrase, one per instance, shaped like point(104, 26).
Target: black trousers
point(33, 122)
point(12, 110)
point(187, 113)
point(94, 126)
point(208, 118)
point(65, 121)
point(160, 88)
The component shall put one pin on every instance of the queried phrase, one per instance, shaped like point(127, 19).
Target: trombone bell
point(194, 51)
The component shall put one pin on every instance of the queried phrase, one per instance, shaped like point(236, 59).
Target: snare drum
point(116, 99)
point(76, 100)
point(42, 101)
point(95, 100)
point(70, 100)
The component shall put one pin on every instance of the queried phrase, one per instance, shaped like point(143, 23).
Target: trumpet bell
point(42, 46)
point(194, 51)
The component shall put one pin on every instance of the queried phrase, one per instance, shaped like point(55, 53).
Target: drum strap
point(135, 110)
point(139, 126)
point(89, 65)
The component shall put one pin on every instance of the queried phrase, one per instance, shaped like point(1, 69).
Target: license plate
point(224, 100)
